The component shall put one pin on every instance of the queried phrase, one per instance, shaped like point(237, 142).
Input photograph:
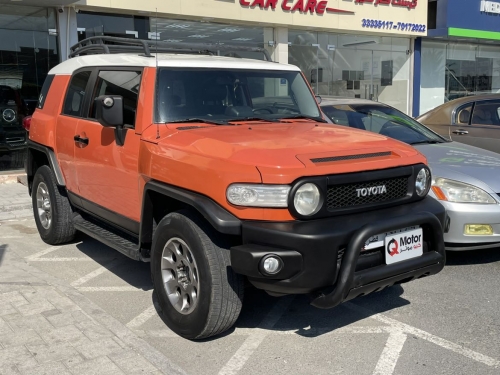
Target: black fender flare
point(51, 157)
point(222, 220)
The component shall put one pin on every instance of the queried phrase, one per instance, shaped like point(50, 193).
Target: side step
point(109, 236)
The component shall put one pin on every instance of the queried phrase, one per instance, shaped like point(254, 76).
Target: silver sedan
point(465, 179)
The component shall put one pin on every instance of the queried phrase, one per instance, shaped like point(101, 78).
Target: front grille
point(346, 196)
point(350, 157)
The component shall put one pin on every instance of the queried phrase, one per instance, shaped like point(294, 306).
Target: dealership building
point(374, 49)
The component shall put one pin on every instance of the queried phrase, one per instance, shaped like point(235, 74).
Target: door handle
point(81, 140)
point(460, 132)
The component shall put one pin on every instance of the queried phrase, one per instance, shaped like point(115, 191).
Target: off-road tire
point(221, 289)
point(61, 229)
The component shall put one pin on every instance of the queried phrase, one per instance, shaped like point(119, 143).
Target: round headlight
point(422, 182)
point(307, 199)
point(9, 115)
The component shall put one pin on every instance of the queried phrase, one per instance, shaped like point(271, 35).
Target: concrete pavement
point(445, 324)
point(47, 327)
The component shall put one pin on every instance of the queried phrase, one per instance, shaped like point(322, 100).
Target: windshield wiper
point(428, 142)
point(318, 119)
point(188, 120)
point(252, 119)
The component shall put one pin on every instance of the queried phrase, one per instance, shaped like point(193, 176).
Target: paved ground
point(83, 308)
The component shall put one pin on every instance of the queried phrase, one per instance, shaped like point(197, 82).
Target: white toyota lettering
point(374, 190)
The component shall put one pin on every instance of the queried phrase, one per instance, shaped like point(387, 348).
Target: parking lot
point(445, 324)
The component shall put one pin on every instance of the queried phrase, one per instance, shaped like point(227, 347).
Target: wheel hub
point(44, 207)
point(179, 274)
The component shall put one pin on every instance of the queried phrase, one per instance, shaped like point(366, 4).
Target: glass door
point(306, 58)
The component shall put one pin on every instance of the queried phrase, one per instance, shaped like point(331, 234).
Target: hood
point(295, 145)
point(465, 163)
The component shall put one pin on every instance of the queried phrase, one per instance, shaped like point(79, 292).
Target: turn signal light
point(439, 193)
point(478, 230)
point(27, 123)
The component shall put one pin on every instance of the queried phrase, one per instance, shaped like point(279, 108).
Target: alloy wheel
point(180, 277)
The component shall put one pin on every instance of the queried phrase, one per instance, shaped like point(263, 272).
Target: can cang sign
point(490, 7)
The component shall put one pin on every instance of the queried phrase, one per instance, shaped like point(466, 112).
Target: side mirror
point(318, 99)
point(109, 111)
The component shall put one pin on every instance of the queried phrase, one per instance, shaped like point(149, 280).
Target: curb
point(14, 178)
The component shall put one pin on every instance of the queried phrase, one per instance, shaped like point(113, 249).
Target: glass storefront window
point(454, 70)
point(27, 52)
point(175, 31)
point(367, 67)
point(182, 31)
point(123, 26)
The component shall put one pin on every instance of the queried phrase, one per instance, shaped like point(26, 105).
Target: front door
point(108, 173)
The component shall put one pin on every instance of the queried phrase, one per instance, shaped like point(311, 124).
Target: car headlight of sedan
point(454, 191)
point(254, 195)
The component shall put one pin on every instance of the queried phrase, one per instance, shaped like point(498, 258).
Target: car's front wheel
point(198, 292)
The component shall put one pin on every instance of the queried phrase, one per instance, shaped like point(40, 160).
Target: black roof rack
point(109, 44)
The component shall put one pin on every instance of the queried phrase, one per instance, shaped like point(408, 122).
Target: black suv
point(12, 133)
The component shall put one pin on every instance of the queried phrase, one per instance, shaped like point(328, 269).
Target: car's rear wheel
point(51, 208)
point(198, 292)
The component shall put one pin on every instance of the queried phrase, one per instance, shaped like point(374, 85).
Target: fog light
point(271, 264)
point(478, 229)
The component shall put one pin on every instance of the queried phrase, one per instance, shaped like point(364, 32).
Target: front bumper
point(323, 257)
point(460, 214)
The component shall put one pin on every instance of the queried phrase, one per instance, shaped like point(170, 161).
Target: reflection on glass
point(27, 53)
point(454, 70)
point(366, 67)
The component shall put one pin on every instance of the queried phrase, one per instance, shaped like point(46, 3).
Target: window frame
point(484, 102)
point(85, 100)
point(95, 79)
point(47, 84)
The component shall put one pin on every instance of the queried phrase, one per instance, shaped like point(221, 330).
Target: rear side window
point(463, 114)
point(45, 91)
point(119, 82)
point(73, 104)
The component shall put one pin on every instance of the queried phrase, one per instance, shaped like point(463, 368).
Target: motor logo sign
point(403, 246)
point(392, 247)
point(373, 190)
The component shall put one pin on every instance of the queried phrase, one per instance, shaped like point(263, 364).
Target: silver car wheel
point(179, 274)
point(44, 208)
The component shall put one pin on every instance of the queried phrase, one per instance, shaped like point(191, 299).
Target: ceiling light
point(198, 36)
point(359, 43)
point(243, 39)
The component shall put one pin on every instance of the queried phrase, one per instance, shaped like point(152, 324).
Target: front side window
point(229, 95)
point(73, 103)
point(486, 113)
point(123, 83)
point(382, 120)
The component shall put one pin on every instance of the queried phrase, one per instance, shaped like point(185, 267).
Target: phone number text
point(400, 26)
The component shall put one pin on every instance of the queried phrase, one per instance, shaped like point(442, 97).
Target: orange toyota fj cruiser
point(218, 169)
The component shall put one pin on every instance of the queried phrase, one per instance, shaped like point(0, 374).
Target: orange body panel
point(205, 160)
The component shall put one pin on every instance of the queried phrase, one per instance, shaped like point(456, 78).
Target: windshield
point(222, 95)
point(382, 120)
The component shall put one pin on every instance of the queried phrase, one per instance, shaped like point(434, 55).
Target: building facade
point(29, 48)
point(357, 48)
point(460, 55)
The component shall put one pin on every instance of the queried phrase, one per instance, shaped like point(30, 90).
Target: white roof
point(166, 60)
